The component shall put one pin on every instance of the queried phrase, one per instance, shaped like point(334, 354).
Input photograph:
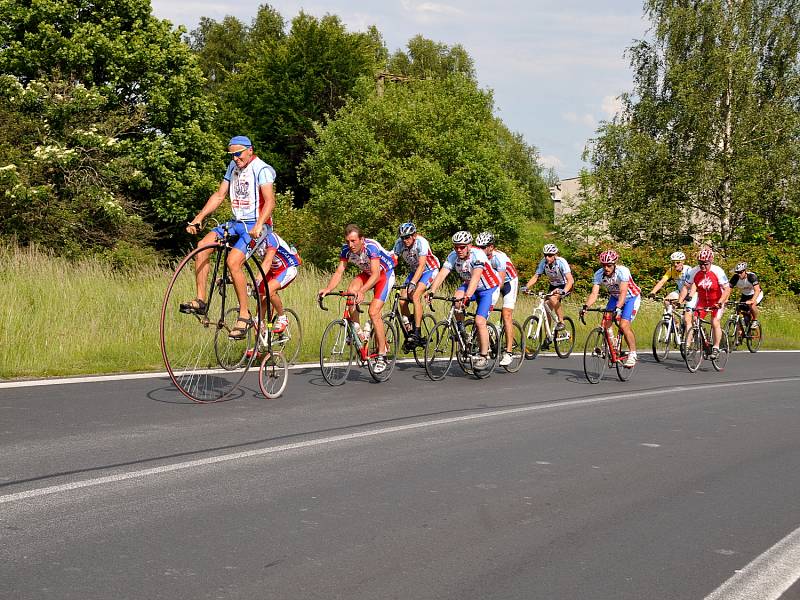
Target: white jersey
point(556, 273)
point(244, 190)
point(419, 250)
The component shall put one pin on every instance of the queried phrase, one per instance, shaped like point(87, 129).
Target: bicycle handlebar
point(583, 312)
point(321, 299)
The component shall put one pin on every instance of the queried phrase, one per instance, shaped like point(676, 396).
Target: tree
point(712, 128)
point(144, 92)
point(428, 151)
point(428, 59)
point(277, 96)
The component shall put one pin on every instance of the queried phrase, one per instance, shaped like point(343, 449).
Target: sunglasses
point(609, 264)
point(405, 237)
point(549, 254)
point(460, 246)
point(677, 262)
point(703, 262)
point(483, 247)
point(239, 153)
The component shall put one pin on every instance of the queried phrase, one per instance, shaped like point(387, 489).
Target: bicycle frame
point(614, 343)
point(461, 342)
point(360, 345)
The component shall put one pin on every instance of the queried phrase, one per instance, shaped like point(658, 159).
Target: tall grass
point(67, 318)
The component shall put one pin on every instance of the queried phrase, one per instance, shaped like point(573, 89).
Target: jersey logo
point(706, 283)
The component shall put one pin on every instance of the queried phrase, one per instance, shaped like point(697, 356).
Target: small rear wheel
point(564, 339)
point(273, 374)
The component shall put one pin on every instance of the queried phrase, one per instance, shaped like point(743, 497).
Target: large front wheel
point(191, 345)
point(336, 352)
point(564, 339)
point(439, 351)
point(595, 355)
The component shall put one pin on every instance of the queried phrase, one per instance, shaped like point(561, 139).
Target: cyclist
point(479, 282)
point(423, 267)
point(282, 261)
point(677, 273)
point(618, 281)
point(750, 288)
point(377, 274)
point(507, 274)
point(558, 273)
point(710, 284)
point(250, 182)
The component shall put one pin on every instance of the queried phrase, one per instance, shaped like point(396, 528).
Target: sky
point(555, 67)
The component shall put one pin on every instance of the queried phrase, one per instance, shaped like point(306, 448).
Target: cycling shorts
point(242, 229)
point(486, 299)
point(629, 309)
point(383, 287)
point(716, 313)
point(556, 287)
point(748, 297)
point(425, 279)
point(284, 277)
point(509, 292)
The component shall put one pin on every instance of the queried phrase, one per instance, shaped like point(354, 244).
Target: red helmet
point(609, 256)
point(706, 255)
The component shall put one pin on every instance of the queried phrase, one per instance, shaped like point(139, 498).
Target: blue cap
point(240, 140)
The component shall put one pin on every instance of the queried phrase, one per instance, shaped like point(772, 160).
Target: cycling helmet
point(484, 239)
point(462, 237)
point(676, 256)
point(742, 266)
point(407, 229)
point(706, 255)
point(609, 256)
point(550, 249)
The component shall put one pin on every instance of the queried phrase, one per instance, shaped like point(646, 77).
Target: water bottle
point(367, 330)
point(406, 323)
point(359, 332)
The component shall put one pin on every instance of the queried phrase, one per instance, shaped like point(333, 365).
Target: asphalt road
point(534, 485)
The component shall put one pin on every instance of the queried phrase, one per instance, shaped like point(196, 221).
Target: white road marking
point(651, 445)
point(55, 489)
point(768, 576)
point(124, 376)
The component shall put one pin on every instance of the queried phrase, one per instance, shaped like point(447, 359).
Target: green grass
point(71, 318)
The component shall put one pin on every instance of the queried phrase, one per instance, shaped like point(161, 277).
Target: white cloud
point(612, 106)
point(584, 119)
point(428, 11)
point(551, 160)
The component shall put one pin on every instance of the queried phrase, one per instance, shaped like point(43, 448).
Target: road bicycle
point(740, 328)
point(451, 338)
point(202, 361)
point(698, 344)
point(540, 332)
point(603, 349)
point(342, 343)
point(405, 327)
point(668, 332)
point(517, 343)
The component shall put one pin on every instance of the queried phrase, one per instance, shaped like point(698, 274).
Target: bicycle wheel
point(188, 340)
point(391, 332)
point(624, 373)
point(439, 351)
point(428, 323)
point(595, 355)
point(232, 354)
point(734, 333)
point(564, 340)
point(533, 337)
point(517, 347)
point(336, 352)
point(693, 354)
point(661, 340)
point(494, 351)
point(273, 373)
point(469, 348)
point(724, 353)
point(755, 335)
point(291, 338)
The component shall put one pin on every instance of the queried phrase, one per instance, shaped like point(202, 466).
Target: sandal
point(194, 307)
point(238, 332)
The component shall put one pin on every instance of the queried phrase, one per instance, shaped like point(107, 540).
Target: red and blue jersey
point(370, 250)
point(419, 250)
point(612, 282)
point(285, 255)
point(709, 284)
point(501, 262)
point(475, 259)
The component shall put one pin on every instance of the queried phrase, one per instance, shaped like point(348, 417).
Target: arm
point(687, 291)
point(570, 282)
point(726, 293)
point(473, 282)
point(440, 277)
point(659, 285)
point(532, 281)
point(756, 291)
point(213, 202)
point(623, 294)
point(418, 273)
point(592, 295)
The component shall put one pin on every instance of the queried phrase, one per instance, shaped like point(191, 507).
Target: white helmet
point(676, 256)
point(550, 249)
point(484, 239)
point(742, 266)
point(462, 237)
